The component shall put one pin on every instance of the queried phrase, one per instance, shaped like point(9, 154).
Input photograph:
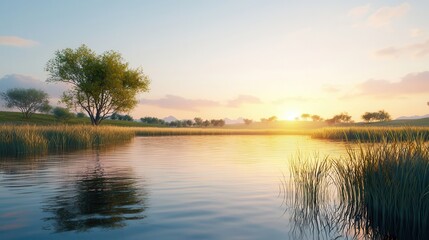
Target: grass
point(382, 190)
point(27, 140)
point(373, 134)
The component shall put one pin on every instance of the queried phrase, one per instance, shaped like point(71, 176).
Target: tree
point(305, 116)
point(198, 121)
point(272, 119)
point(28, 101)
point(340, 118)
point(100, 84)
point(383, 116)
point(368, 116)
point(316, 118)
point(62, 114)
point(379, 116)
point(247, 121)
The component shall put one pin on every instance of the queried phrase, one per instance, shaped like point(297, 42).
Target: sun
point(290, 116)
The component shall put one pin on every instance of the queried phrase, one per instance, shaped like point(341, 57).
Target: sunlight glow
point(290, 116)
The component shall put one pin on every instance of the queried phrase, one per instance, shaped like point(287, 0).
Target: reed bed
point(381, 190)
point(373, 134)
point(30, 140)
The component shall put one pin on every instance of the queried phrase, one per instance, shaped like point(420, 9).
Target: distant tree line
point(376, 116)
point(196, 122)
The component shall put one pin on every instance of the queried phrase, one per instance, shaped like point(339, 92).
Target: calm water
point(184, 187)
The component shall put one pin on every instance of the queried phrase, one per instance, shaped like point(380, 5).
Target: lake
point(180, 187)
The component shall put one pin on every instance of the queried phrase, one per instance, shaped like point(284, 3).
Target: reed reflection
point(379, 191)
point(96, 199)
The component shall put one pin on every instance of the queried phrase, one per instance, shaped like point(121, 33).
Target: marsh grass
point(33, 140)
point(381, 190)
point(373, 134)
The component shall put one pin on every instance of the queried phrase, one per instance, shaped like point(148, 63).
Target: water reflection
point(96, 199)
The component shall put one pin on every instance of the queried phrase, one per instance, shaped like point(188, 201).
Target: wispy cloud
point(291, 99)
point(385, 15)
point(330, 88)
point(359, 11)
point(180, 103)
point(417, 32)
point(16, 41)
point(413, 83)
point(415, 50)
point(243, 99)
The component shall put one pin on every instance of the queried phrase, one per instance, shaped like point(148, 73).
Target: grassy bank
point(381, 190)
point(372, 134)
point(216, 131)
point(25, 139)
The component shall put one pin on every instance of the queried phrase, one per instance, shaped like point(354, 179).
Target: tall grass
point(382, 189)
point(373, 134)
point(27, 140)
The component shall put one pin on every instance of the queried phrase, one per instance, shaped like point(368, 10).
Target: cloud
point(21, 81)
point(385, 15)
point(416, 32)
point(291, 99)
point(359, 11)
point(16, 41)
point(414, 83)
point(180, 103)
point(330, 88)
point(415, 50)
point(243, 99)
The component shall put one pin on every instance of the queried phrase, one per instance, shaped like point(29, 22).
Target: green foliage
point(80, 115)
point(28, 101)
point(340, 118)
point(62, 114)
point(378, 190)
point(24, 140)
point(100, 84)
point(377, 116)
point(117, 116)
point(153, 120)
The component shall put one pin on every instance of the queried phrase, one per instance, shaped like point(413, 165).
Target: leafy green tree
point(100, 84)
point(28, 101)
point(368, 116)
point(272, 119)
point(382, 116)
point(62, 114)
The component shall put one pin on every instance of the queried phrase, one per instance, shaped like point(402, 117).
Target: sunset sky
point(241, 58)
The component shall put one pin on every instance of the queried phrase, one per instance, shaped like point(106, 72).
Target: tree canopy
point(100, 84)
point(28, 101)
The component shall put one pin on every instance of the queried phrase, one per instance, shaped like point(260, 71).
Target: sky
point(241, 58)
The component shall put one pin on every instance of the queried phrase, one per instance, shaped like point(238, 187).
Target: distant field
point(46, 119)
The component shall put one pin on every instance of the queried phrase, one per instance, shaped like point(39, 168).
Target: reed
point(381, 188)
point(373, 134)
point(27, 140)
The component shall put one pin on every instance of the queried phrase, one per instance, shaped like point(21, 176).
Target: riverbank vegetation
point(26, 139)
point(379, 190)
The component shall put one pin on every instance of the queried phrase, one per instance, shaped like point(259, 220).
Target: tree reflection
point(96, 199)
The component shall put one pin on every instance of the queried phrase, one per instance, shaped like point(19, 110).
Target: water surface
point(182, 187)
